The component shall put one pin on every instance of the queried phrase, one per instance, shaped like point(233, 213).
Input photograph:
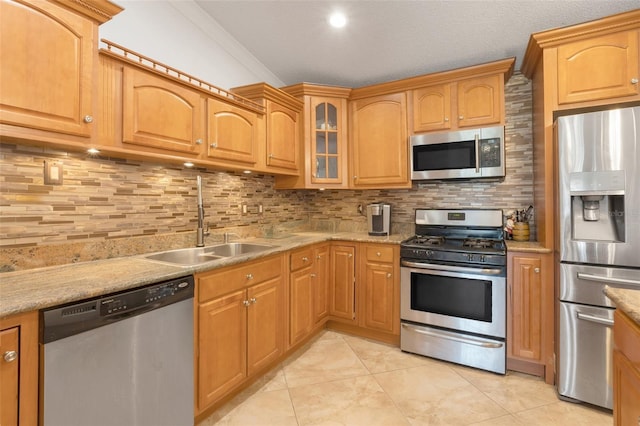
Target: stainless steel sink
point(184, 257)
point(235, 249)
point(198, 255)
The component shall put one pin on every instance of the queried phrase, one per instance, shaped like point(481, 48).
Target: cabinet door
point(379, 142)
point(9, 379)
point(432, 108)
point(327, 127)
point(232, 133)
point(265, 322)
point(322, 263)
point(46, 74)
point(222, 341)
point(480, 101)
point(301, 304)
point(525, 308)
point(342, 293)
point(283, 138)
point(159, 114)
point(598, 68)
point(379, 297)
point(626, 391)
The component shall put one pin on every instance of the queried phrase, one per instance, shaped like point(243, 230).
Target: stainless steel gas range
point(453, 288)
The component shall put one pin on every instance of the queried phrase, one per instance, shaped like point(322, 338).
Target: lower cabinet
point(19, 369)
point(342, 302)
point(301, 295)
point(626, 371)
point(321, 268)
point(240, 325)
point(530, 313)
point(379, 294)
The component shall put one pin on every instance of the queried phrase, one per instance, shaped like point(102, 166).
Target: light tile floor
point(343, 380)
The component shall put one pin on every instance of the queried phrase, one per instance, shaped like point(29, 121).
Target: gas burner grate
point(429, 241)
point(478, 243)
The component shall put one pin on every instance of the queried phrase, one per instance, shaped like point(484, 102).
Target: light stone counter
point(628, 301)
point(34, 289)
point(526, 246)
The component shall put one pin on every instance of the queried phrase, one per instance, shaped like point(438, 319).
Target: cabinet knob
point(319, 257)
point(249, 276)
point(253, 300)
point(446, 119)
point(355, 177)
point(214, 145)
point(246, 302)
point(312, 275)
point(378, 254)
point(270, 155)
point(350, 255)
point(634, 81)
point(536, 270)
point(198, 141)
point(305, 259)
point(88, 119)
point(388, 274)
point(461, 117)
point(10, 356)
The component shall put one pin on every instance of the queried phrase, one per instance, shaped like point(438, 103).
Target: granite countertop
point(526, 246)
point(627, 300)
point(23, 291)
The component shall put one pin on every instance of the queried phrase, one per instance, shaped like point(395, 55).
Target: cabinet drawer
point(300, 259)
point(216, 283)
point(379, 253)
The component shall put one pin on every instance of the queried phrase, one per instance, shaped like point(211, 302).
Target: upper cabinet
point(280, 153)
point(593, 64)
point(379, 142)
point(175, 127)
point(49, 57)
point(474, 97)
point(602, 67)
point(324, 136)
point(233, 133)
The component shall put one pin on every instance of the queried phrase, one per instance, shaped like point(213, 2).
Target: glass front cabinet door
point(328, 141)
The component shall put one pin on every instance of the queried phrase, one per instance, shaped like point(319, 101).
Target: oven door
point(462, 298)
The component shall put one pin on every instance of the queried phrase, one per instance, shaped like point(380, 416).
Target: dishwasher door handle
point(597, 320)
point(610, 280)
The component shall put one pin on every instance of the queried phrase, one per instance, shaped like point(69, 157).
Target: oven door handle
point(435, 266)
point(467, 340)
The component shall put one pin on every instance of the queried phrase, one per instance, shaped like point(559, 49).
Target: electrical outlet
point(53, 171)
point(360, 209)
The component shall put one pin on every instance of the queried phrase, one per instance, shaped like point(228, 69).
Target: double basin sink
point(197, 255)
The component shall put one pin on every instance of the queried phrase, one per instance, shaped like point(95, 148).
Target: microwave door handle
point(477, 153)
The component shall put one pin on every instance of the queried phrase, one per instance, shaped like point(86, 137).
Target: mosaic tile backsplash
point(110, 207)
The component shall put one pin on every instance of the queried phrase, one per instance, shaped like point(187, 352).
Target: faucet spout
point(201, 231)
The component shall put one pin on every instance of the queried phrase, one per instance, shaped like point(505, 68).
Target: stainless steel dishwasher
point(121, 359)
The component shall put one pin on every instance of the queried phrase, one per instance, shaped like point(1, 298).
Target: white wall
point(179, 34)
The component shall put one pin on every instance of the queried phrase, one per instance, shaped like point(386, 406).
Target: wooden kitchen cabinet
point(478, 101)
point(379, 279)
point(49, 61)
point(19, 369)
point(301, 295)
point(324, 153)
point(233, 133)
point(281, 151)
point(601, 67)
point(626, 370)
point(160, 115)
point(321, 269)
point(530, 313)
point(342, 282)
point(378, 142)
point(239, 326)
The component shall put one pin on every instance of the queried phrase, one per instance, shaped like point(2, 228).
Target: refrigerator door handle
point(609, 280)
point(593, 318)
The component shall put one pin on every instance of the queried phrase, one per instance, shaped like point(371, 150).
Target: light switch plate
point(53, 172)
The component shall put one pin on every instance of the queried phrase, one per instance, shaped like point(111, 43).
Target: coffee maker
point(379, 219)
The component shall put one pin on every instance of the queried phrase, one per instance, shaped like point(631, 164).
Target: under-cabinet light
point(188, 164)
point(93, 151)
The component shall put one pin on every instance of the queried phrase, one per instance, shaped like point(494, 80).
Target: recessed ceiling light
point(337, 20)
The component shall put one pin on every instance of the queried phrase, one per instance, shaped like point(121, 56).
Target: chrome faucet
point(201, 231)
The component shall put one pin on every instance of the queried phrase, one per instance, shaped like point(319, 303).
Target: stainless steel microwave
point(464, 154)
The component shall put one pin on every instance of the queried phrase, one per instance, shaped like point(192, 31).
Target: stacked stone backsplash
point(110, 207)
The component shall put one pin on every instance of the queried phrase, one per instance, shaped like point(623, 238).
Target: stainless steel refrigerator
point(598, 241)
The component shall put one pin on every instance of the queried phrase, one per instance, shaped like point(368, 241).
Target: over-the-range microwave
point(463, 154)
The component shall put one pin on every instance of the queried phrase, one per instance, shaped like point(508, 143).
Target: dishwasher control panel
point(144, 297)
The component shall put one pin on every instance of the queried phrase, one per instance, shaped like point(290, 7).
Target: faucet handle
point(206, 232)
point(226, 236)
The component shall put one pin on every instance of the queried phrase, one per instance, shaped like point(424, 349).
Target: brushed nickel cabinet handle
point(634, 81)
point(249, 276)
point(198, 141)
point(253, 300)
point(10, 356)
point(246, 302)
point(87, 119)
point(388, 274)
point(214, 145)
point(536, 270)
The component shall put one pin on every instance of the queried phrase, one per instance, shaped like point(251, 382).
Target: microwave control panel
point(490, 153)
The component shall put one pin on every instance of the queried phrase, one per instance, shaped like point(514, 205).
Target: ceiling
point(389, 40)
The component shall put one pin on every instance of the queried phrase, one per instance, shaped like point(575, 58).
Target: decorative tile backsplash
point(110, 207)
